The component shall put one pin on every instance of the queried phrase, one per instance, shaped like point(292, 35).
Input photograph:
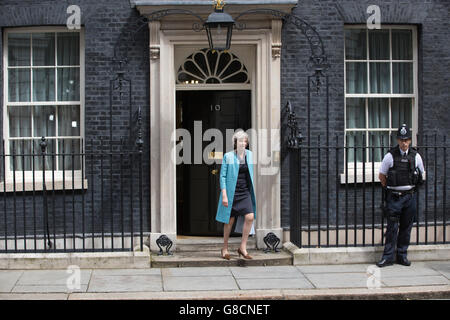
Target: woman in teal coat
point(237, 197)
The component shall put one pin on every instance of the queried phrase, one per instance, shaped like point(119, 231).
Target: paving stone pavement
point(225, 279)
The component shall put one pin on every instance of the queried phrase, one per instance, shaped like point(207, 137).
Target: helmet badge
point(403, 131)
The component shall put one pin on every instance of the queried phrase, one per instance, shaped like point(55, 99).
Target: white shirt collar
point(403, 152)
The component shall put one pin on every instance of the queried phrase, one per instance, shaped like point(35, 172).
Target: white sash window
point(43, 97)
point(380, 90)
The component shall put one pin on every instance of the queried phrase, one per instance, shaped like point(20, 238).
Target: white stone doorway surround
point(264, 34)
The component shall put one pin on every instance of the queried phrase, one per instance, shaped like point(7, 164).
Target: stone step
point(213, 259)
point(201, 244)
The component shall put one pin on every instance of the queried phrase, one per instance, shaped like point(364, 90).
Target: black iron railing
point(336, 196)
point(73, 200)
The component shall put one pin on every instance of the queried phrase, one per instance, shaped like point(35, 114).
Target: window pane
point(224, 59)
point(43, 49)
point(402, 44)
point(379, 144)
point(187, 78)
point(22, 150)
point(19, 85)
point(379, 44)
point(354, 144)
point(44, 84)
point(44, 121)
point(68, 48)
point(379, 113)
point(201, 61)
point(18, 49)
point(212, 59)
point(234, 66)
point(380, 81)
point(68, 84)
point(355, 44)
point(70, 148)
point(38, 159)
point(356, 77)
point(192, 68)
point(240, 77)
point(355, 113)
point(68, 120)
point(402, 73)
point(401, 112)
point(19, 121)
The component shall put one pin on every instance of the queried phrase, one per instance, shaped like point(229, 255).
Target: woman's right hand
point(225, 201)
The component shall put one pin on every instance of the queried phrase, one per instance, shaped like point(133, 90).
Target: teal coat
point(228, 178)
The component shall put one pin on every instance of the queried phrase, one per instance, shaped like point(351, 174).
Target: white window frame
point(414, 96)
point(71, 179)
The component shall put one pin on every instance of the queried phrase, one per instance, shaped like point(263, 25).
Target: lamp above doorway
point(219, 28)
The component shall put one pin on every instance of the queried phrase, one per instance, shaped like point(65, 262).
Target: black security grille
point(336, 202)
point(73, 200)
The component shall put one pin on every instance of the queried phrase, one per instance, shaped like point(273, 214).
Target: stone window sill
point(39, 186)
point(360, 178)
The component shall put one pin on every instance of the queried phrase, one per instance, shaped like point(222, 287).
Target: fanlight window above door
point(206, 67)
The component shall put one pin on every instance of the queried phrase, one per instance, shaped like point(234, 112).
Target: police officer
point(400, 173)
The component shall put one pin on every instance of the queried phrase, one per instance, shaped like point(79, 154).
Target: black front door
point(198, 184)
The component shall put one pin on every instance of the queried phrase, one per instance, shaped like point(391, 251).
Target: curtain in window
point(50, 150)
point(355, 119)
point(380, 77)
point(68, 77)
point(19, 85)
point(19, 56)
point(19, 121)
point(47, 69)
point(44, 78)
point(44, 119)
point(379, 144)
point(378, 125)
point(68, 84)
point(355, 44)
point(379, 45)
point(354, 143)
point(20, 151)
point(356, 113)
point(43, 49)
point(402, 77)
point(19, 126)
point(68, 49)
point(356, 77)
point(69, 125)
point(402, 44)
point(378, 113)
point(379, 71)
point(43, 84)
point(19, 49)
point(71, 150)
point(401, 112)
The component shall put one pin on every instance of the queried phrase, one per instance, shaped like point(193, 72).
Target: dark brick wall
point(109, 27)
point(108, 24)
point(329, 18)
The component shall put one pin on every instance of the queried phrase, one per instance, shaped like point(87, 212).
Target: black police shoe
point(384, 263)
point(403, 261)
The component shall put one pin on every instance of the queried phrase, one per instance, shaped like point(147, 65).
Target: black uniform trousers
point(397, 236)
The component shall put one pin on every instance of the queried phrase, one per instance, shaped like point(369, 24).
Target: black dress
point(242, 201)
